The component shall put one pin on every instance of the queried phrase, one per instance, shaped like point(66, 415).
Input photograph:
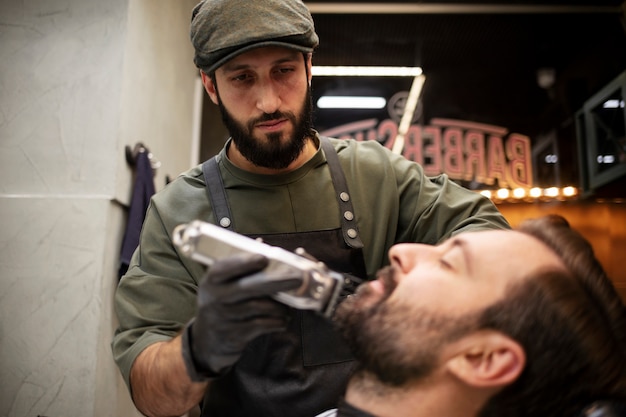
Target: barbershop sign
point(466, 151)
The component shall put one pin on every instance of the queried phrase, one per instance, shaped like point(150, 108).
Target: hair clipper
point(205, 242)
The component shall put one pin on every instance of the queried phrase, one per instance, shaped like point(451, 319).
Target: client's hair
point(572, 326)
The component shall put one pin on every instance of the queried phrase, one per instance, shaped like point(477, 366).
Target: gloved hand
point(234, 307)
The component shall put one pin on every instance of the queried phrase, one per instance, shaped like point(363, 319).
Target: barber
point(186, 336)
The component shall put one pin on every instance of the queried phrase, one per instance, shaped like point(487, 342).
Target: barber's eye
point(285, 71)
point(241, 77)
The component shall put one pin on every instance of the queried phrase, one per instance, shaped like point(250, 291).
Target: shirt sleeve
point(156, 297)
point(396, 202)
point(442, 209)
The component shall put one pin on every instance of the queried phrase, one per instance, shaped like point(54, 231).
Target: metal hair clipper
point(205, 242)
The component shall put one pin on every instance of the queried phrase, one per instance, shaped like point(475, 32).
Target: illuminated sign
point(463, 150)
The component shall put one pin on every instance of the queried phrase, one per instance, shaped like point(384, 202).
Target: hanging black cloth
point(142, 191)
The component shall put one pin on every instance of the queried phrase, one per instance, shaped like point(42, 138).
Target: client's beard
point(395, 342)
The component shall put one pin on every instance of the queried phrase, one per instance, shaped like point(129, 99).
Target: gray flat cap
point(223, 29)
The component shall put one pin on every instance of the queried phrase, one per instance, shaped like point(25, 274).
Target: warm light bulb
point(551, 192)
point(519, 193)
point(569, 191)
point(503, 193)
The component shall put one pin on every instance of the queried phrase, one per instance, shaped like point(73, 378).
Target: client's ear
point(487, 359)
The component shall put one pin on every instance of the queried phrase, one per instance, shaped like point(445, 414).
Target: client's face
point(429, 297)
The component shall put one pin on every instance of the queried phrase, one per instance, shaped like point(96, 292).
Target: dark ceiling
point(480, 59)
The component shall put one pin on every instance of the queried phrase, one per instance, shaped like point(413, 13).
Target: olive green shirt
point(394, 201)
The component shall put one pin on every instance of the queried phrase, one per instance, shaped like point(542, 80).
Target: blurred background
point(520, 101)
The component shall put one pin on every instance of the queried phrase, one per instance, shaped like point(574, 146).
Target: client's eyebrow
point(463, 245)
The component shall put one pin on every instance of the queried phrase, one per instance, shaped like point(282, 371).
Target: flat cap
point(223, 29)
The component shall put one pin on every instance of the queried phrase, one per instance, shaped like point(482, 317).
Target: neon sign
point(463, 150)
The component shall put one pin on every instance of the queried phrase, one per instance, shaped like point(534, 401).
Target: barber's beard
point(395, 342)
point(273, 153)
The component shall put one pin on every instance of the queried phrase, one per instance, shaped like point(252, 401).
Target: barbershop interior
point(522, 102)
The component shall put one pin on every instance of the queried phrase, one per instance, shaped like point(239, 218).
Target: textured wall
point(79, 80)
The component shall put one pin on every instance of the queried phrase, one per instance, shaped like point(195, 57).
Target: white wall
point(79, 80)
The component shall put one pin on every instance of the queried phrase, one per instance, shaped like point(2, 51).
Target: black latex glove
point(234, 307)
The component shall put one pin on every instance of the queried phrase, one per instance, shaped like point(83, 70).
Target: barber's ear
point(209, 86)
point(487, 359)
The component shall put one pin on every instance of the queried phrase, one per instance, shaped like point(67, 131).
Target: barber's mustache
point(266, 117)
point(277, 115)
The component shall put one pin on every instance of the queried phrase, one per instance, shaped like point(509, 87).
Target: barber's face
point(429, 297)
point(265, 102)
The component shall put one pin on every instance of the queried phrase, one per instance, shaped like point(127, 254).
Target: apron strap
point(348, 219)
point(221, 209)
point(217, 193)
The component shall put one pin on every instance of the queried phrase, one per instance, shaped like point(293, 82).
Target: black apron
point(303, 371)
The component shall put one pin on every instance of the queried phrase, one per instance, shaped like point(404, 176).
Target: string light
point(536, 192)
point(530, 194)
point(569, 191)
point(519, 193)
point(502, 193)
point(551, 192)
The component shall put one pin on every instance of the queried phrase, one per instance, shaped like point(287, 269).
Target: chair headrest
point(605, 409)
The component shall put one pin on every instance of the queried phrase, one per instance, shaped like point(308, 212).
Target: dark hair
point(572, 326)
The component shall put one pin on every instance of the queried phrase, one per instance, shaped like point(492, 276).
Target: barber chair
point(604, 409)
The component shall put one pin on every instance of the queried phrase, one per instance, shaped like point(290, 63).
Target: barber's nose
point(268, 100)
